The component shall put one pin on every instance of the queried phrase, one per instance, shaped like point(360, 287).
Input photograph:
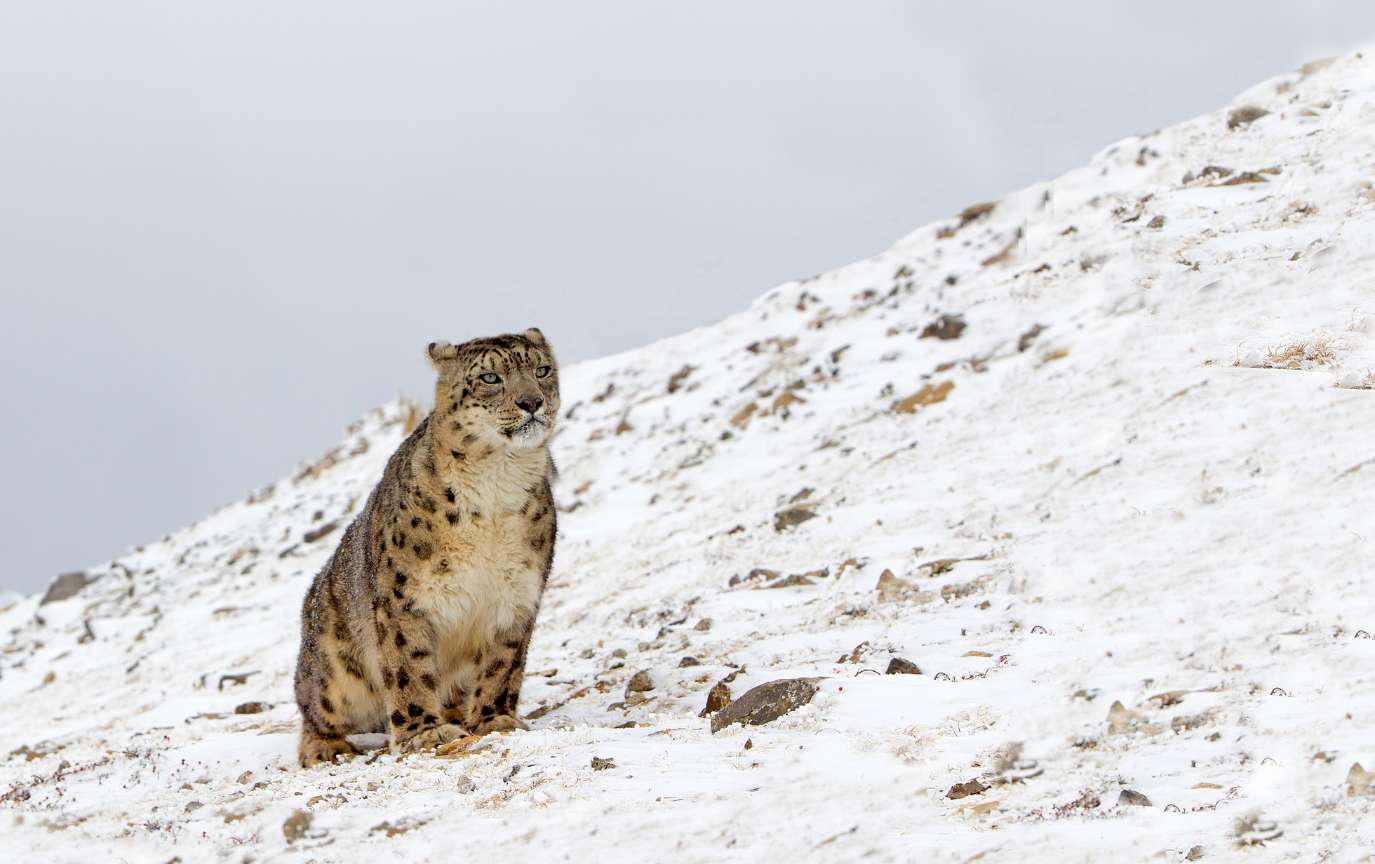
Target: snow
point(1155, 499)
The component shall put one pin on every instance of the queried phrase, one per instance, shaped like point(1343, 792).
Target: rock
point(193, 805)
point(766, 703)
point(756, 573)
point(1133, 798)
point(899, 666)
point(464, 784)
point(689, 661)
point(639, 683)
point(944, 328)
point(296, 825)
point(749, 743)
point(703, 625)
point(317, 533)
point(250, 708)
point(929, 394)
point(1194, 853)
point(64, 586)
point(600, 764)
point(792, 517)
point(675, 381)
point(1359, 781)
point(890, 587)
point(1027, 339)
point(797, 580)
point(717, 698)
point(245, 777)
point(1157, 222)
point(965, 789)
point(1121, 720)
point(1245, 116)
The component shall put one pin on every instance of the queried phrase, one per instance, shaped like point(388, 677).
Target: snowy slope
point(1140, 474)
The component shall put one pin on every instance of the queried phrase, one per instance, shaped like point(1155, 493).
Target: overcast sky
point(229, 229)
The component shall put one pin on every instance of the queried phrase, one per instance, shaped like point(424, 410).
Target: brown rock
point(717, 698)
point(929, 394)
point(296, 825)
point(965, 789)
point(944, 328)
point(64, 586)
point(1245, 116)
point(792, 517)
point(639, 683)
point(766, 703)
point(899, 666)
point(250, 708)
point(317, 533)
point(1133, 798)
point(600, 764)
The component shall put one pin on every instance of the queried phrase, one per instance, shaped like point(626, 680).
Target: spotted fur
point(419, 624)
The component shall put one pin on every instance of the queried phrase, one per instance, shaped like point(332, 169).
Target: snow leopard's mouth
point(529, 428)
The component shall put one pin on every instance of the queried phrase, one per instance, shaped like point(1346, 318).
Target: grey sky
point(228, 229)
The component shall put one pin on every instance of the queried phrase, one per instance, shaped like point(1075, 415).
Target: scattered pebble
point(296, 825)
point(639, 683)
point(600, 764)
point(965, 789)
point(899, 666)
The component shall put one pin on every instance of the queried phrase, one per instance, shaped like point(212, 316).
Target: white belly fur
point(491, 585)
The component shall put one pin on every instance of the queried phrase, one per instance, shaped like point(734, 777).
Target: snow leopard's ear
point(534, 335)
point(438, 352)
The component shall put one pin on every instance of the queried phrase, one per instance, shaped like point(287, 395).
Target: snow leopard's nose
point(530, 403)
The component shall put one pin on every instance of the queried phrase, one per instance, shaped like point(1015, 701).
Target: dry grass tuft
point(1302, 354)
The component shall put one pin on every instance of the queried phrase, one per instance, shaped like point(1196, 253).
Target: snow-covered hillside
point(1095, 460)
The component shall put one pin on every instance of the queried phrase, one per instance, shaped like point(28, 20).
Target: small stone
point(1157, 222)
point(64, 586)
point(245, 777)
point(890, 587)
point(717, 698)
point(1133, 798)
point(791, 517)
point(464, 784)
point(193, 805)
point(619, 652)
point(1245, 116)
point(250, 708)
point(965, 789)
point(600, 764)
point(1121, 720)
point(749, 743)
point(899, 666)
point(639, 683)
point(703, 625)
point(1194, 853)
point(766, 703)
point(689, 661)
point(944, 328)
point(1359, 781)
point(296, 825)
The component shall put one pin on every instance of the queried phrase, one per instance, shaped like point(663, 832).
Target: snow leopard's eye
point(489, 378)
point(542, 372)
